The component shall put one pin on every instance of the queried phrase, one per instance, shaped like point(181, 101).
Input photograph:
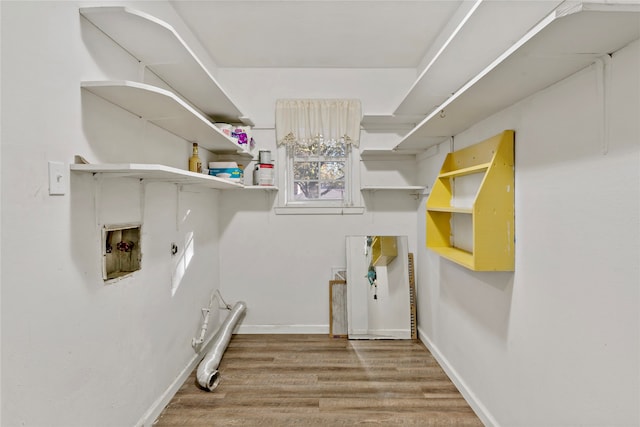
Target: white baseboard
point(283, 329)
point(473, 401)
point(158, 406)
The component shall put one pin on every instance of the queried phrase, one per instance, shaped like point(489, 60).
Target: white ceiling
point(446, 42)
point(317, 33)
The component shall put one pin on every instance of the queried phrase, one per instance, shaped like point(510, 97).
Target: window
point(315, 139)
point(318, 171)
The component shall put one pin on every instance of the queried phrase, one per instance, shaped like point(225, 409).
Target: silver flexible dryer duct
point(208, 375)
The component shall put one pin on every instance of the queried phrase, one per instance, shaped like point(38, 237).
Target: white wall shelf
point(261, 187)
point(161, 49)
point(166, 110)
point(466, 47)
point(385, 154)
point(566, 41)
point(153, 172)
point(387, 170)
point(413, 190)
point(374, 122)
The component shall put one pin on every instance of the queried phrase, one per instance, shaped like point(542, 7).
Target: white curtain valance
point(306, 120)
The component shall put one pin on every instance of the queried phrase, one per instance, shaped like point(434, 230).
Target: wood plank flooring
point(316, 380)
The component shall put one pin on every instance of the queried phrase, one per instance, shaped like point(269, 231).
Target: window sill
point(316, 210)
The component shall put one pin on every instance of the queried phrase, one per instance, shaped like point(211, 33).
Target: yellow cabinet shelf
point(384, 249)
point(465, 171)
point(492, 213)
point(450, 209)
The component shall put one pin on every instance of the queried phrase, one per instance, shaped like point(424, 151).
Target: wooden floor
point(317, 380)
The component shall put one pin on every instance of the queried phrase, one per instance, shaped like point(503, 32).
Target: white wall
point(380, 90)
point(281, 264)
point(74, 351)
point(554, 343)
point(83, 353)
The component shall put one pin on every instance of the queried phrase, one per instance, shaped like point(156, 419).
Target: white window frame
point(352, 205)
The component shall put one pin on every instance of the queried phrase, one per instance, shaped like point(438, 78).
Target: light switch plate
point(57, 179)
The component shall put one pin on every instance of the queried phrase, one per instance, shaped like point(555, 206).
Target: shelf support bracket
point(604, 87)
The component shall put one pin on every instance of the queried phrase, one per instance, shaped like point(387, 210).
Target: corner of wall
point(478, 407)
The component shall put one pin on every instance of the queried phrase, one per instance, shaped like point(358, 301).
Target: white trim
point(289, 178)
point(161, 402)
point(353, 206)
point(381, 334)
point(306, 210)
point(283, 329)
point(481, 411)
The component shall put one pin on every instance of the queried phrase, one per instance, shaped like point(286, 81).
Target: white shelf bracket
point(603, 72)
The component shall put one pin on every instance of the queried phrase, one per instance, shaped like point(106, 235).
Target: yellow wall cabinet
point(384, 249)
point(473, 224)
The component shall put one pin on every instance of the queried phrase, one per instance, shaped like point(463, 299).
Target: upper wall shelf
point(382, 122)
point(465, 47)
point(387, 170)
point(385, 154)
point(167, 111)
point(160, 48)
point(566, 41)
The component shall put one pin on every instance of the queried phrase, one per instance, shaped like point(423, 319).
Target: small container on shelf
point(224, 128)
point(195, 164)
point(226, 170)
point(263, 174)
